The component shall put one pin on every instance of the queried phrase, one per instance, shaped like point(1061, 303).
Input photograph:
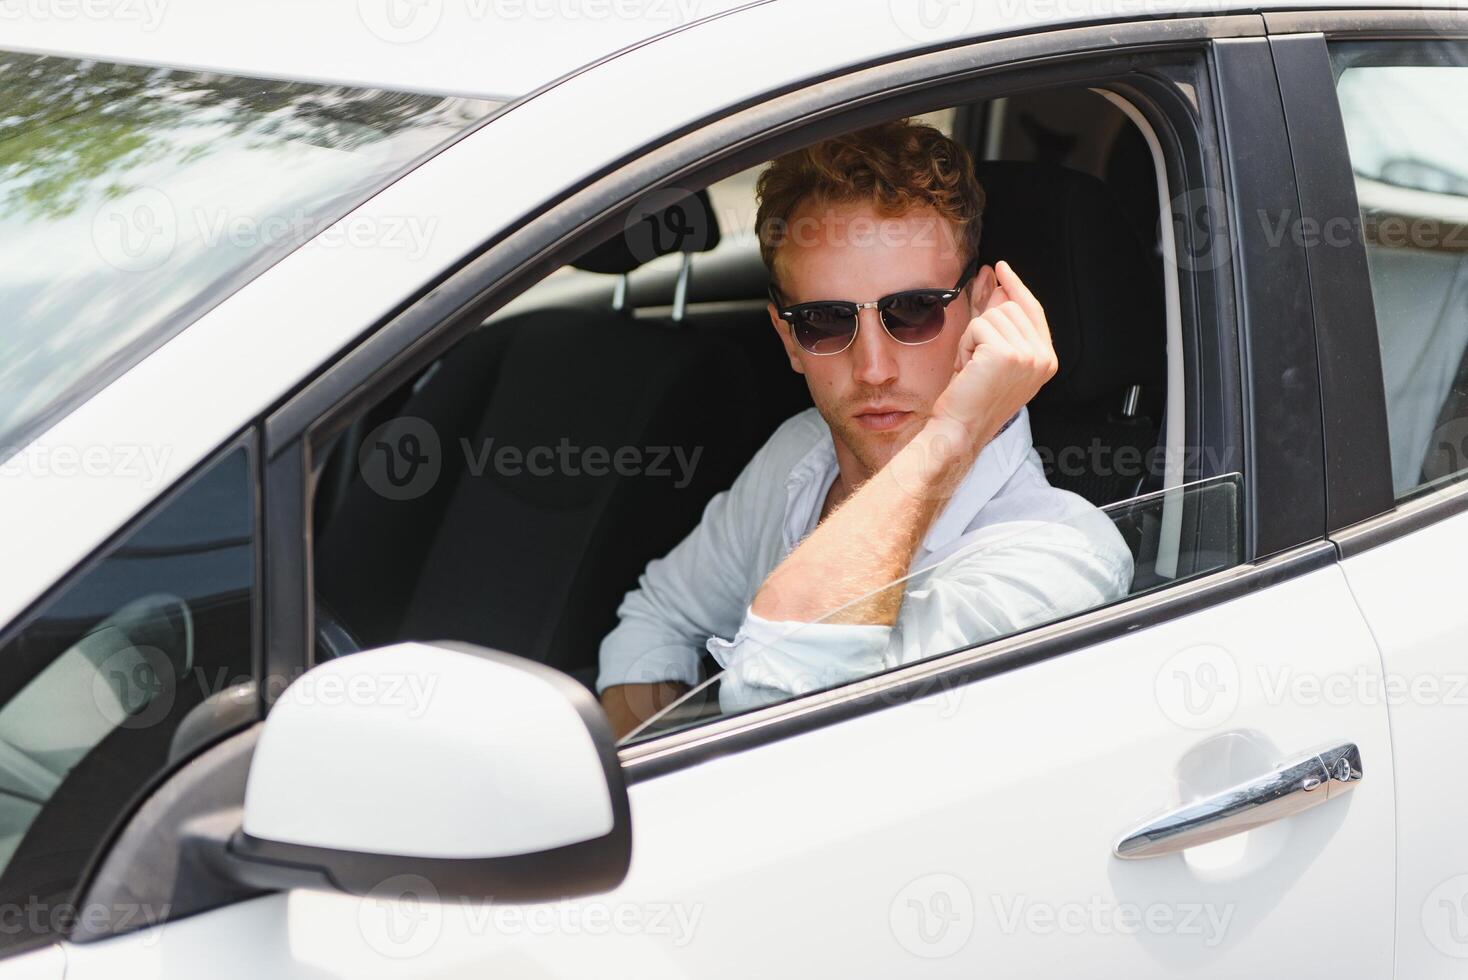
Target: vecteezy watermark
point(146, 463)
point(408, 21)
point(1363, 686)
point(1098, 458)
point(566, 458)
point(1103, 917)
point(1198, 687)
point(402, 459)
point(932, 20)
point(933, 916)
point(41, 917)
point(1445, 917)
point(403, 918)
point(1057, 11)
point(146, 15)
point(136, 231)
point(410, 233)
point(140, 230)
point(1199, 220)
point(409, 691)
point(137, 687)
point(845, 225)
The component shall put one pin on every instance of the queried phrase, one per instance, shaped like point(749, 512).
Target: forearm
point(629, 705)
point(870, 539)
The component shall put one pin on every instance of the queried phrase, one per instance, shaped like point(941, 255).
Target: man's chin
point(875, 449)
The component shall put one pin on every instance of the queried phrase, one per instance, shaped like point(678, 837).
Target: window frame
point(1363, 509)
point(1241, 377)
point(247, 441)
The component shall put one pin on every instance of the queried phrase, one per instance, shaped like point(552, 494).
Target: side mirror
point(488, 775)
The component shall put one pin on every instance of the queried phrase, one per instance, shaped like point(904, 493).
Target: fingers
point(1018, 292)
point(981, 330)
point(1009, 326)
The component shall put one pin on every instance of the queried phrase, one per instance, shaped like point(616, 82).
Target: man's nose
point(873, 352)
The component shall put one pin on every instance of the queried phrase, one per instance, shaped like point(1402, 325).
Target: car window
point(982, 592)
point(1405, 109)
point(132, 198)
point(103, 684)
point(521, 490)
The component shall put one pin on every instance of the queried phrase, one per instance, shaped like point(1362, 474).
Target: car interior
point(644, 344)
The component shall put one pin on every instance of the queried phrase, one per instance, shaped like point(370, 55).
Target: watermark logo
point(146, 15)
point(137, 231)
point(1447, 449)
point(134, 687)
point(401, 459)
point(401, 918)
point(667, 220)
point(933, 916)
point(932, 20)
point(1445, 917)
point(400, 21)
point(1200, 227)
point(1198, 687)
point(1101, 917)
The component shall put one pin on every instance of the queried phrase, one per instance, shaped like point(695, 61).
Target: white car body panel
point(993, 807)
point(46, 963)
point(1420, 621)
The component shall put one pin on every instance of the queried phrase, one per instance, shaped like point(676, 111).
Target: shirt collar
point(811, 478)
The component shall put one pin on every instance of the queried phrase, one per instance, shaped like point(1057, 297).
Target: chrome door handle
point(1294, 787)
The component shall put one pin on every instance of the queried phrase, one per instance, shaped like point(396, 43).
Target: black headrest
point(661, 223)
point(1071, 242)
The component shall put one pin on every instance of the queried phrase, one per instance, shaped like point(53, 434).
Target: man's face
point(876, 394)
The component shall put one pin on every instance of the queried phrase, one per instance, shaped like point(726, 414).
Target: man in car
point(916, 458)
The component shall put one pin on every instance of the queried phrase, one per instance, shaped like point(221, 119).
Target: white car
point(356, 361)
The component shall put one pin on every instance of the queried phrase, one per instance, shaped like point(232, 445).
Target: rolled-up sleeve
point(1009, 578)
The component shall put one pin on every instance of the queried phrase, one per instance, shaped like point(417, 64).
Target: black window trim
point(409, 341)
point(1363, 510)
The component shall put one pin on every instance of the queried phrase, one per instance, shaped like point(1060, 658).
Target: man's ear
point(783, 329)
point(981, 290)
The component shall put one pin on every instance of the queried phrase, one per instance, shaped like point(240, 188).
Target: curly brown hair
point(897, 166)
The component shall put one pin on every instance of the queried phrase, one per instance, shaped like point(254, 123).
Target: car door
point(1387, 135)
point(963, 814)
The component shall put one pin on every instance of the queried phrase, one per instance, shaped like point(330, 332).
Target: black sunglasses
point(912, 317)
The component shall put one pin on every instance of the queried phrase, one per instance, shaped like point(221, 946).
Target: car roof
point(497, 49)
point(503, 49)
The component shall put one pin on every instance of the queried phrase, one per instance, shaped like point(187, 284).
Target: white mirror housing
point(489, 775)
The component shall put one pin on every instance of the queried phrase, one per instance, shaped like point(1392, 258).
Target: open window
point(512, 489)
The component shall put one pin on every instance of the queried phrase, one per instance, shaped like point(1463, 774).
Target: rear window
point(132, 199)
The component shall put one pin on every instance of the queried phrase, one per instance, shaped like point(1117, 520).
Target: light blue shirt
point(1008, 551)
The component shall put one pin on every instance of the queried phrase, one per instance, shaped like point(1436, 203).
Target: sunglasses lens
point(914, 318)
point(825, 328)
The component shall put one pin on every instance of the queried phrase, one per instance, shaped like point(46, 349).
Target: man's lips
point(878, 418)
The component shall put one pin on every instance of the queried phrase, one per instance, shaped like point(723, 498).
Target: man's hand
point(629, 705)
point(1004, 358)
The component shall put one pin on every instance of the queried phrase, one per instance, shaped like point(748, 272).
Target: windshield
point(132, 199)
